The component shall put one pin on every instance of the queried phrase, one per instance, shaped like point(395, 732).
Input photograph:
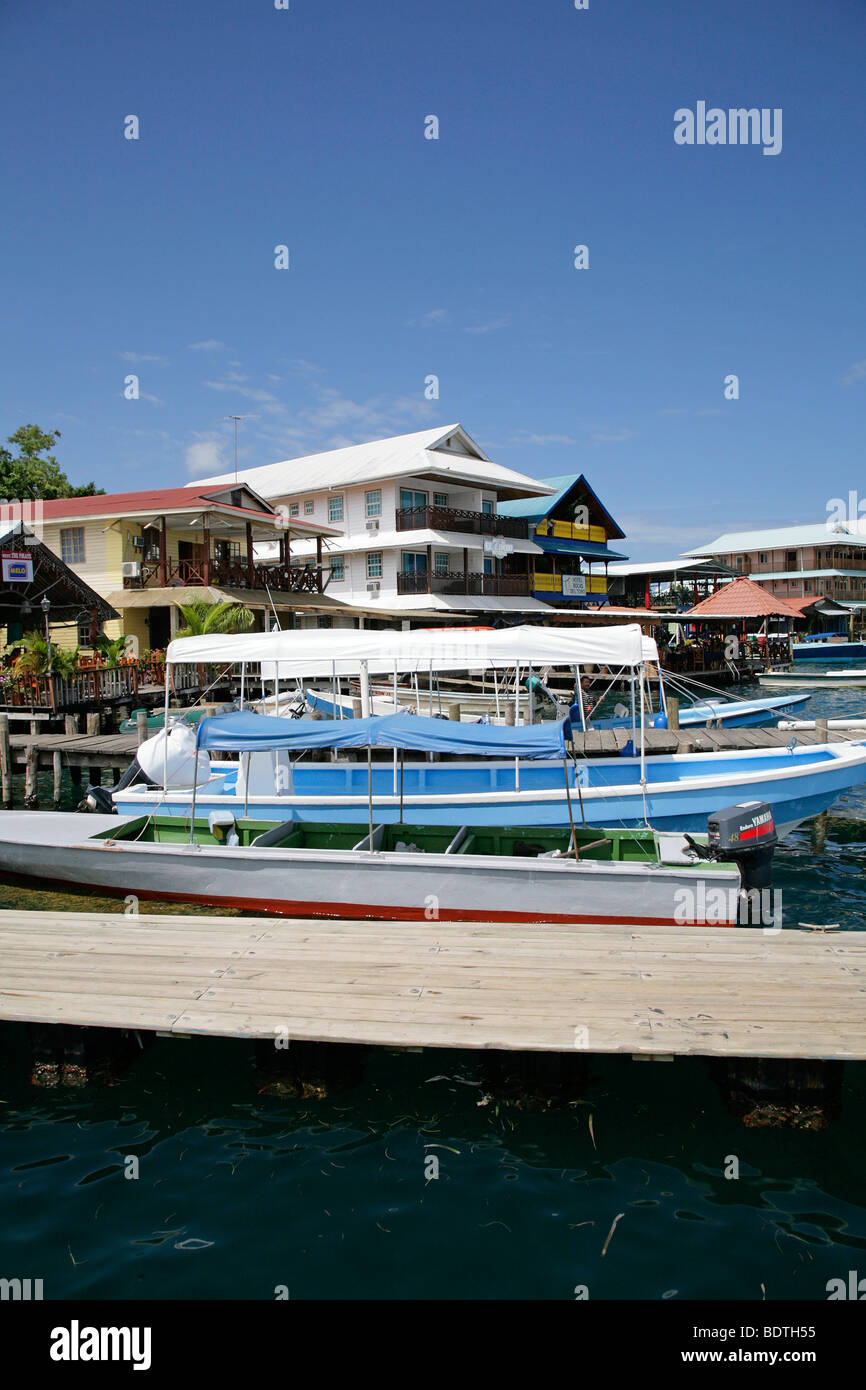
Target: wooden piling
point(821, 730)
point(31, 796)
point(5, 762)
point(57, 765)
point(454, 712)
point(71, 726)
point(94, 773)
point(673, 704)
point(141, 730)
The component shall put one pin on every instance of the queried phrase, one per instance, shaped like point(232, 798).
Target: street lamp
point(46, 609)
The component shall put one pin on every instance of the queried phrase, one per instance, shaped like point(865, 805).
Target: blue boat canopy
point(244, 731)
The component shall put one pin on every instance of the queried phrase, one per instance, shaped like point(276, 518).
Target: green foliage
point(202, 618)
point(32, 471)
point(34, 657)
point(110, 648)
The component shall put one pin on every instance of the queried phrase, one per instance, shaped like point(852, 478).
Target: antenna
point(236, 418)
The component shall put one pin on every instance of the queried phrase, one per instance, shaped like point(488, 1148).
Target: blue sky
point(454, 257)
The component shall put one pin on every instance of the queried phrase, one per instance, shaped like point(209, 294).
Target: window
point(374, 564)
point(791, 559)
point(414, 562)
point(338, 569)
point(764, 558)
point(410, 498)
point(72, 545)
point(294, 509)
point(487, 508)
point(440, 499)
point(488, 565)
point(373, 500)
point(308, 508)
point(808, 586)
point(440, 562)
point(335, 508)
point(84, 634)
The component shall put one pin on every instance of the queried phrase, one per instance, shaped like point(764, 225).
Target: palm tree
point(37, 659)
point(201, 618)
point(111, 649)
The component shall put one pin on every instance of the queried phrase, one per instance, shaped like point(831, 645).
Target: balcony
point(548, 585)
point(233, 574)
point(459, 582)
point(454, 519)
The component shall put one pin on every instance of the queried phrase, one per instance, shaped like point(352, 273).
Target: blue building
point(573, 529)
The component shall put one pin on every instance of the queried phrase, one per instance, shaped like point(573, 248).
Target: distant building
point(792, 562)
point(642, 582)
point(572, 529)
point(425, 522)
point(148, 552)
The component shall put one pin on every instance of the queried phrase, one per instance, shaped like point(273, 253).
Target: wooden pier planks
point(704, 991)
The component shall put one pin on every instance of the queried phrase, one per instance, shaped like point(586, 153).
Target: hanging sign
point(17, 567)
point(574, 586)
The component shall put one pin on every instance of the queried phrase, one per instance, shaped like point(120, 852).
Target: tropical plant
point(202, 618)
point(36, 659)
point(112, 649)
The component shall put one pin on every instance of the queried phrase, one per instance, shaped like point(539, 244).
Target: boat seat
point(378, 837)
point(454, 847)
point(277, 835)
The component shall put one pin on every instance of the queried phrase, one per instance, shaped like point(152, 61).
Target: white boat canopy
point(334, 652)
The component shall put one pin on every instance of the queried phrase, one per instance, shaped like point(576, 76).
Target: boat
point(828, 646)
point(409, 872)
point(725, 714)
point(515, 775)
point(523, 775)
point(827, 679)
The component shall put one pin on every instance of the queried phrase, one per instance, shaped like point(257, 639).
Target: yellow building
point(147, 553)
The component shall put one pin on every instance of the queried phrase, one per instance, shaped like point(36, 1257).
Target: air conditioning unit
point(374, 588)
point(372, 525)
point(138, 542)
point(131, 569)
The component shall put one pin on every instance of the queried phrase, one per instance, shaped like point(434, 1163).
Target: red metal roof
point(743, 598)
point(156, 501)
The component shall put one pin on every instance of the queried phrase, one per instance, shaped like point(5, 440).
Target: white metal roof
point(424, 452)
point(780, 538)
point(625, 568)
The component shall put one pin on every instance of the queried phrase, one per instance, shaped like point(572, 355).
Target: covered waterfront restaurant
point(761, 623)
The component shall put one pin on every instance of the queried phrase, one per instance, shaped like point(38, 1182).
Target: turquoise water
point(240, 1192)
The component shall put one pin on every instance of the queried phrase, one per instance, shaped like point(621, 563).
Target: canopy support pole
point(402, 752)
point(580, 698)
point(165, 736)
point(370, 792)
point(570, 813)
point(243, 678)
point(643, 748)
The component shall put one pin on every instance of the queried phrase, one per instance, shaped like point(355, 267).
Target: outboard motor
point(99, 799)
point(746, 836)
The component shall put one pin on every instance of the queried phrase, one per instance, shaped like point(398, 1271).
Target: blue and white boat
point(521, 775)
point(828, 646)
point(727, 714)
point(674, 792)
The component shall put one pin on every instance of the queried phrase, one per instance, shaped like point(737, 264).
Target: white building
point(420, 518)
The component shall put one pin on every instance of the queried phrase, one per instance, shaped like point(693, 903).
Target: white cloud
point(208, 345)
point(856, 372)
point(525, 437)
point(493, 326)
point(612, 436)
point(435, 318)
point(203, 459)
point(144, 357)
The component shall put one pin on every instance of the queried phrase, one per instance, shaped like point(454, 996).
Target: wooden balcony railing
point(459, 582)
point(101, 685)
point(455, 519)
point(235, 574)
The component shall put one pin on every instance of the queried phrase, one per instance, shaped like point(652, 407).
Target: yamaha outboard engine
point(746, 836)
point(99, 799)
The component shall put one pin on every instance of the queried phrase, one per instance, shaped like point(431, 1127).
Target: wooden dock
point(716, 992)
